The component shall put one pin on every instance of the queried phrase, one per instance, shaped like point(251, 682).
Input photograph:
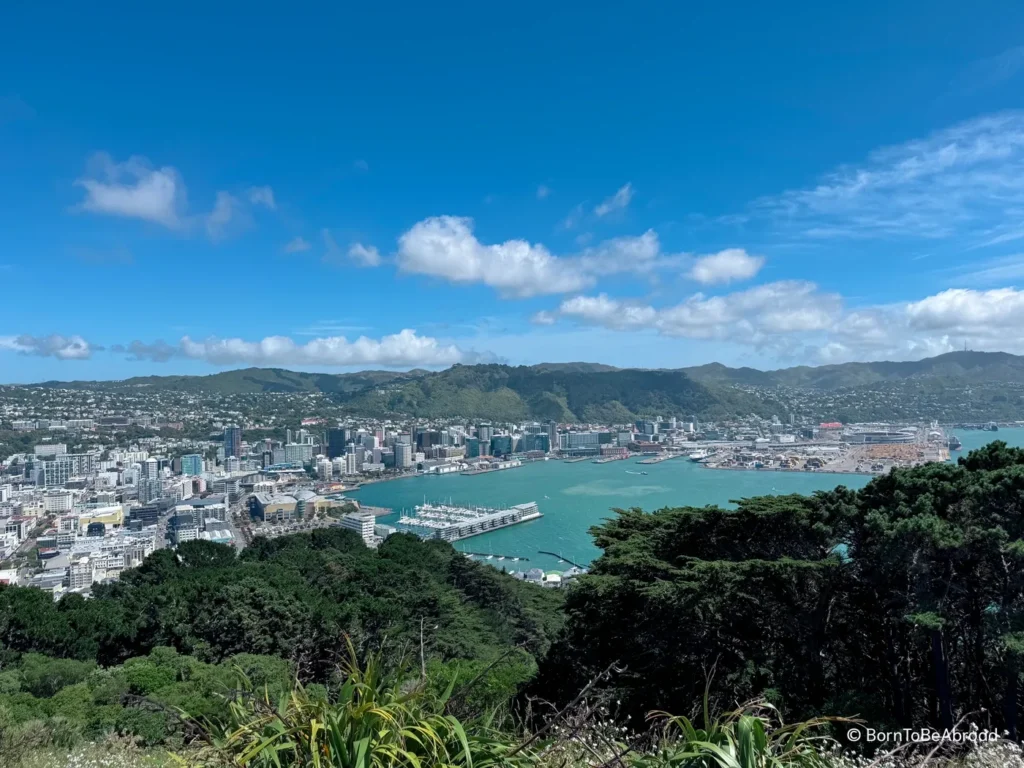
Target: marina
point(579, 495)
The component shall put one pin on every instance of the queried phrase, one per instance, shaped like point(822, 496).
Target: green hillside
point(970, 367)
point(505, 393)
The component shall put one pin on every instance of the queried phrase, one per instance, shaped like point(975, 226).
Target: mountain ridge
point(980, 366)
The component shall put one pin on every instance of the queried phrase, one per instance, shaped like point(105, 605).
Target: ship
point(699, 455)
point(954, 443)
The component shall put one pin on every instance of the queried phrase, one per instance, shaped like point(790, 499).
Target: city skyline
point(345, 190)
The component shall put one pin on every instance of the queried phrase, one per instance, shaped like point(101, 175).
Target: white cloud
point(964, 182)
point(227, 213)
point(364, 255)
point(445, 246)
point(749, 316)
point(573, 218)
point(544, 317)
point(134, 189)
point(726, 266)
point(405, 348)
point(62, 347)
point(616, 202)
point(797, 319)
point(543, 191)
point(262, 196)
point(297, 245)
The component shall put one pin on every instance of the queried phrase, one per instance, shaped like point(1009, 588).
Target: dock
point(563, 558)
point(609, 459)
point(658, 459)
point(577, 460)
point(496, 557)
point(498, 467)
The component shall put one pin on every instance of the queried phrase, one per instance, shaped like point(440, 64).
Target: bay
point(574, 497)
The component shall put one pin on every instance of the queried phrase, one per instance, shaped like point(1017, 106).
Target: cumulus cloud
point(405, 348)
point(62, 347)
point(616, 202)
point(134, 189)
point(262, 196)
point(446, 247)
point(966, 181)
point(364, 255)
point(773, 309)
point(797, 319)
point(297, 245)
point(726, 266)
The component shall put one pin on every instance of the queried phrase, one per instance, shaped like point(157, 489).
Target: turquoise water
point(573, 497)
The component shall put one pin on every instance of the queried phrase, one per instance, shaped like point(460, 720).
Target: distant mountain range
point(969, 367)
point(576, 391)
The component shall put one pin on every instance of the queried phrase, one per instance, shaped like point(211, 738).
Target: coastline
point(797, 471)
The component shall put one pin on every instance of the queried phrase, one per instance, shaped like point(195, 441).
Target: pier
point(495, 557)
point(563, 558)
point(658, 459)
point(577, 460)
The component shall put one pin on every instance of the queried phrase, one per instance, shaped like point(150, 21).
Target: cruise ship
point(700, 455)
point(452, 523)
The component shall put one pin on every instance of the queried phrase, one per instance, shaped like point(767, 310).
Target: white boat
point(699, 455)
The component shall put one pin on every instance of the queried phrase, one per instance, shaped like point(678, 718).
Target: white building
point(363, 524)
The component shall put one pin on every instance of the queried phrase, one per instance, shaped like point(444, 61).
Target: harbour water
point(573, 497)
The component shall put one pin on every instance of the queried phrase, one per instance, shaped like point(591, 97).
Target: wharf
point(494, 556)
point(577, 460)
point(658, 459)
point(609, 459)
point(563, 558)
point(470, 472)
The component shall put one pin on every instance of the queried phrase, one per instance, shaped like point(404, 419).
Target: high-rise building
point(485, 432)
point(192, 464)
point(403, 456)
point(150, 469)
point(232, 441)
point(336, 439)
point(501, 445)
point(552, 429)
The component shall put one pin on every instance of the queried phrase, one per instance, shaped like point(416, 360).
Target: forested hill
point(965, 367)
point(560, 391)
point(563, 394)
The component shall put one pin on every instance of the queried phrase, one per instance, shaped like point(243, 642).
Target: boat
point(954, 443)
point(699, 455)
point(643, 473)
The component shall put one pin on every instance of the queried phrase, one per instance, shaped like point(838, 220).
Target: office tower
point(232, 441)
point(192, 464)
point(336, 439)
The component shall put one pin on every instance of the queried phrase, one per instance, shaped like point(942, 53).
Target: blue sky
point(323, 188)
